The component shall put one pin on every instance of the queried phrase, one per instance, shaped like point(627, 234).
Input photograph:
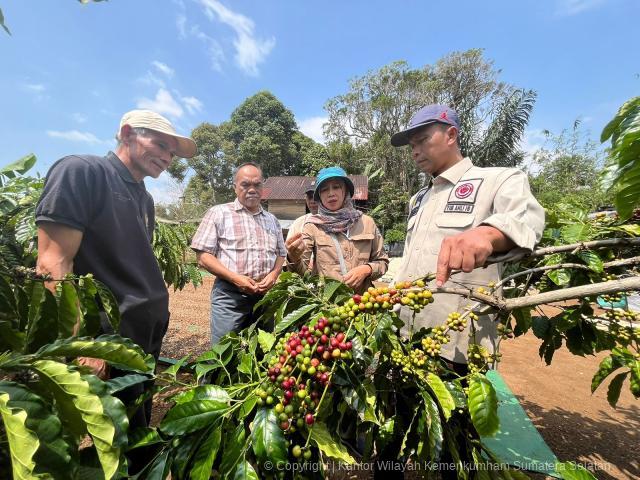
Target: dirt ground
point(576, 425)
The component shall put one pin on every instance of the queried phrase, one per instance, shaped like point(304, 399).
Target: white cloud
point(312, 127)
point(76, 136)
point(192, 104)
point(164, 68)
point(35, 87)
point(250, 51)
point(214, 50)
point(79, 117)
point(163, 103)
point(181, 22)
point(150, 78)
point(565, 8)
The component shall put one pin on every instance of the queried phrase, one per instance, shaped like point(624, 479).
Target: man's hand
point(295, 247)
point(99, 367)
point(469, 250)
point(356, 276)
point(245, 284)
point(267, 282)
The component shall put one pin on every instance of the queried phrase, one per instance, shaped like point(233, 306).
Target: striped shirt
point(246, 243)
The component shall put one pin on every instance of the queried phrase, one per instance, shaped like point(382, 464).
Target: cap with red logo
point(425, 116)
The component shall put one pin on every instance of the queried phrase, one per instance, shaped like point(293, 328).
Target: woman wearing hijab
point(346, 244)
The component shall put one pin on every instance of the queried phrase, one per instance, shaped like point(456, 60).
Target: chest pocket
point(449, 224)
point(362, 245)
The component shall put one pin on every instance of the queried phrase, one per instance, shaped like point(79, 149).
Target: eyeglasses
point(249, 185)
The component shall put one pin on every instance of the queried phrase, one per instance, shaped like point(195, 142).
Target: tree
point(264, 131)
point(493, 114)
point(569, 171)
point(260, 130)
point(623, 166)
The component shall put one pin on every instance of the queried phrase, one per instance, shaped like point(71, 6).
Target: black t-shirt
point(98, 196)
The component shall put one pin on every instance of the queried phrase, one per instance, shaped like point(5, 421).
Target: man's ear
point(125, 134)
point(452, 135)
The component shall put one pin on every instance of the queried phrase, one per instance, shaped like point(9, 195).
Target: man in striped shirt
point(242, 245)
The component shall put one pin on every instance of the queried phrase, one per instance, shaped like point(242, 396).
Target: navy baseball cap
point(426, 116)
point(311, 188)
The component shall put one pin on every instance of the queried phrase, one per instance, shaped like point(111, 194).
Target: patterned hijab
point(339, 221)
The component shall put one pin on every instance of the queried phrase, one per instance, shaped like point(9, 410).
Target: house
point(285, 198)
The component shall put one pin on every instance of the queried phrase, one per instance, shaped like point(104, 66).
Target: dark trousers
point(231, 310)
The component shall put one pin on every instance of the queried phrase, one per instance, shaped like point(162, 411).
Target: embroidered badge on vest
point(463, 196)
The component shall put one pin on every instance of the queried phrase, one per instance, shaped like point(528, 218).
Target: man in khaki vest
point(465, 215)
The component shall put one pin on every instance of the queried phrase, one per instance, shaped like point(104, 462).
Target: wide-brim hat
point(423, 117)
point(154, 121)
point(331, 173)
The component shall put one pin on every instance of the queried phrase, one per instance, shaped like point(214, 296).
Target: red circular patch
point(464, 190)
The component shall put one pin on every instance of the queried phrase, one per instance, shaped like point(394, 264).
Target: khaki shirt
point(298, 225)
point(363, 245)
point(461, 198)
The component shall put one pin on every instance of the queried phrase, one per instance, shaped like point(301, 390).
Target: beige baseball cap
point(156, 122)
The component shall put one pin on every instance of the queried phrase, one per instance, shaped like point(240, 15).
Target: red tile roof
point(293, 188)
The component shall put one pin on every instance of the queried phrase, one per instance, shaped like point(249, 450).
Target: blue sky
point(69, 71)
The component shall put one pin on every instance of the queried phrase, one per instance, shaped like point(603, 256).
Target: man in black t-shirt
point(95, 216)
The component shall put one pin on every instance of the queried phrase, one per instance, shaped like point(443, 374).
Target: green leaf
point(109, 305)
point(436, 435)
point(160, 468)
point(294, 316)
point(635, 378)
point(523, 320)
point(206, 455)
point(118, 351)
point(571, 471)
point(191, 416)
point(385, 434)
point(320, 435)
point(74, 398)
point(42, 326)
point(613, 392)
point(606, 368)
point(483, 405)
point(330, 287)
point(90, 318)
point(576, 232)
point(457, 393)
point(68, 311)
point(246, 364)
point(245, 471)
point(266, 340)
point(173, 370)
point(560, 277)
point(203, 392)
point(234, 448)
point(267, 439)
point(11, 339)
point(25, 163)
point(591, 259)
point(54, 453)
point(23, 443)
point(120, 383)
point(248, 404)
point(144, 436)
point(445, 400)
point(540, 326)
